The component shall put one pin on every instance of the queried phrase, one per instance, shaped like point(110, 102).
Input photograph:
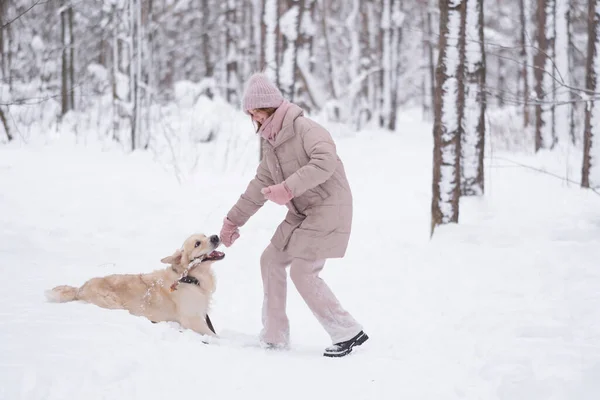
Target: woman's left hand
point(279, 193)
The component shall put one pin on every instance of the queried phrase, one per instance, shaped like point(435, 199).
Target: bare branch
point(543, 172)
point(23, 13)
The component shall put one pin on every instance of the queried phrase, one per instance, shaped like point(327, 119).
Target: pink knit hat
point(261, 93)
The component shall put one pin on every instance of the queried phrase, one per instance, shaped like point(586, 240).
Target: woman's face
point(259, 115)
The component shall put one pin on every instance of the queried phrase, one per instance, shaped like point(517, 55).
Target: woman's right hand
point(229, 232)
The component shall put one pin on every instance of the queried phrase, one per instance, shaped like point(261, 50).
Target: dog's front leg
point(198, 325)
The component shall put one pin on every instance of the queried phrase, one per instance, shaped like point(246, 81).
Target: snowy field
point(505, 305)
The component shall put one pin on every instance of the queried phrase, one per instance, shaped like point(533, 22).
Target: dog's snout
point(214, 239)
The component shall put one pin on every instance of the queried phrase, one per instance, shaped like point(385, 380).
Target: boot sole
point(360, 340)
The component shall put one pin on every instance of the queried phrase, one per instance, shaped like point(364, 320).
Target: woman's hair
point(268, 110)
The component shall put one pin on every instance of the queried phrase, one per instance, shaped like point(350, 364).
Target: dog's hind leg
point(100, 291)
point(198, 325)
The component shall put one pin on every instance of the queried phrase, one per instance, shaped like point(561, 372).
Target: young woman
point(301, 170)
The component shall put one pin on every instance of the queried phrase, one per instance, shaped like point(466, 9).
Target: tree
point(4, 44)
point(449, 103)
point(428, 91)
point(206, 39)
point(290, 23)
point(269, 31)
point(524, 6)
point(67, 68)
point(590, 173)
point(391, 23)
point(545, 74)
point(232, 51)
point(473, 135)
point(5, 125)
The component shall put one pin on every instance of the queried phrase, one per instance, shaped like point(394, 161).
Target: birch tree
point(4, 63)
point(330, 71)
point(473, 135)
point(289, 24)
point(429, 46)
point(5, 125)
point(4, 44)
point(545, 135)
point(305, 59)
point(268, 39)
point(590, 173)
point(523, 90)
point(135, 76)
point(232, 51)
point(386, 62)
point(577, 27)
point(449, 101)
point(67, 68)
point(391, 22)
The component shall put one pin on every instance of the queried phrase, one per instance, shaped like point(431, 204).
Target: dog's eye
point(198, 243)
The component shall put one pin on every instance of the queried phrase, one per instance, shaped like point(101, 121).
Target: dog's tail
point(62, 294)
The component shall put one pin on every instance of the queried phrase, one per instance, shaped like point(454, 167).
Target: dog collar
point(190, 279)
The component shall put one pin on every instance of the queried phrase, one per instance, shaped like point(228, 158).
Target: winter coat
point(319, 218)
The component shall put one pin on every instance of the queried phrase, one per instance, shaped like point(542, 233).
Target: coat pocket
point(320, 190)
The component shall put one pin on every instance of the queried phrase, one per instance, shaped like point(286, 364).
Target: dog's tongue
point(215, 255)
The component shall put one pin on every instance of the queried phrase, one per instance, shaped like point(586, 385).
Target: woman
point(301, 170)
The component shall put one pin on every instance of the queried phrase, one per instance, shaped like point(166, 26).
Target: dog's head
point(198, 248)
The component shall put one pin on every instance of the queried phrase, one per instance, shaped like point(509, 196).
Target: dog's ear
point(173, 259)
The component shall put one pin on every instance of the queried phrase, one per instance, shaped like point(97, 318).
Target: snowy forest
point(117, 69)
point(467, 133)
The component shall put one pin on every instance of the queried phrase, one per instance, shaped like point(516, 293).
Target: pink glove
point(279, 193)
point(229, 232)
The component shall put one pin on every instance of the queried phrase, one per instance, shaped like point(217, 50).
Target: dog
point(181, 292)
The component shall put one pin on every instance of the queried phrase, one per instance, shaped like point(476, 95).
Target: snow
point(504, 305)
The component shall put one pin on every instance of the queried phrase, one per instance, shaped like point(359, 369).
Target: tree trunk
point(396, 42)
point(328, 51)
point(386, 63)
point(269, 31)
point(4, 44)
point(250, 61)
point(114, 72)
point(473, 136)
point(135, 76)
point(290, 22)
point(501, 79)
point(305, 59)
point(268, 38)
point(66, 37)
point(310, 13)
point(524, 72)
point(449, 101)
point(71, 71)
point(572, 48)
point(365, 64)
point(232, 52)
point(544, 72)
point(5, 125)
point(209, 67)
point(429, 74)
point(590, 173)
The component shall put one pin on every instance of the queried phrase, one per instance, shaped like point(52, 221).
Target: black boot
point(344, 348)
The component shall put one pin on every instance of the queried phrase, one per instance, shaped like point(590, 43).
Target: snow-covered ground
point(505, 305)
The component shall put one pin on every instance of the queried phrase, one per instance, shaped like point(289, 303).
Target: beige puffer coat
point(319, 220)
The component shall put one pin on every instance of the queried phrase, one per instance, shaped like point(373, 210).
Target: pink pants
point(338, 323)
